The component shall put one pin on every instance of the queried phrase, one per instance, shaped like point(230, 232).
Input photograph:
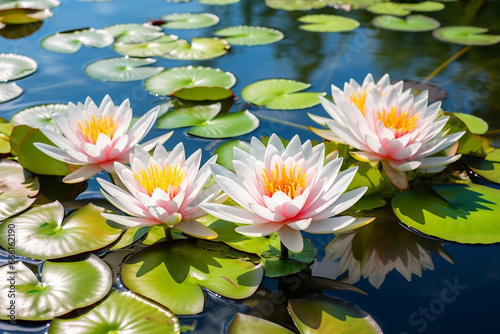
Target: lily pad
point(134, 32)
point(13, 66)
point(18, 189)
point(466, 35)
point(23, 15)
point(71, 42)
point(155, 47)
point(171, 80)
point(43, 233)
point(462, 213)
point(40, 116)
point(327, 23)
point(250, 36)
point(426, 6)
point(242, 322)
point(188, 116)
point(190, 20)
point(388, 8)
point(130, 236)
point(486, 168)
point(122, 69)
point(475, 124)
point(199, 49)
point(120, 312)
point(411, 23)
point(5, 133)
point(172, 273)
point(226, 126)
point(218, 2)
point(9, 91)
point(38, 4)
point(225, 152)
point(203, 93)
point(296, 4)
point(62, 287)
point(280, 94)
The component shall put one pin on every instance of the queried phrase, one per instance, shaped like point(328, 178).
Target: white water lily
point(96, 137)
point(286, 190)
point(165, 188)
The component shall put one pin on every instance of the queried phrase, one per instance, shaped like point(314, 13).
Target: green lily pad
point(371, 177)
point(462, 213)
point(40, 116)
point(63, 287)
point(475, 124)
point(120, 312)
point(172, 273)
point(43, 233)
point(9, 91)
point(71, 42)
point(53, 189)
point(466, 35)
point(324, 314)
point(5, 133)
point(203, 93)
point(242, 322)
point(122, 69)
point(134, 32)
point(296, 4)
point(199, 49)
point(188, 116)
point(218, 2)
point(38, 4)
point(13, 66)
point(173, 79)
point(250, 36)
point(327, 23)
point(190, 20)
point(280, 94)
point(388, 8)
point(23, 15)
point(225, 126)
point(411, 23)
point(18, 189)
point(225, 152)
point(152, 48)
point(426, 6)
point(130, 236)
point(486, 168)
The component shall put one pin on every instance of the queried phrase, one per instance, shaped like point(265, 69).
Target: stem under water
point(446, 63)
point(284, 251)
point(168, 233)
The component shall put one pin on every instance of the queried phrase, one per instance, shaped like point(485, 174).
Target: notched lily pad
point(14, 66)
point(327, 23)
point(475, 124)
point(122, 69)
point(411, 23)
point(226, 126)
point(250, 36)
point(190, 20)
point(134, 32)
point(40, 116)
point(199, 49)
point(152, 48)
point(188, 116)
point(203, 93)
point(466, 35)
point(71, 42)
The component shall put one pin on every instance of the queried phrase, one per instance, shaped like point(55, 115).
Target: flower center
point(167, 179)
point(402, 123)
point(291, 182)
point(93, 128)
point(359, 101)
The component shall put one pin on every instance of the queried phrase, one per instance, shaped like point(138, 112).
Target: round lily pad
point(155, 47)
point(247, 35)
point(171, 80)
point(475, 124)
point(466, 35)
point(23, 15)
point(280, 94)
point(203, 93)
point(410, 23)
point(38, 4)
point(226, 126)
point(199, 49)
point(13, 66)
point(40, 116)
point(242, 322)
point(62, 287)
point(43, 233)
point(6, 129)
point(172, 273)
point(388, 8)
point(188, 116)
point(122, 69)
point(218, 2)
point(461, 213)
point(425, 6)
point(225, 152)
point(9, 91)
point(327, 23)
point(134, 32)
point(190, 20)
point(71, 42)
point(18, 190)
point(486, 168)
point(120, 312)
point(296, 4)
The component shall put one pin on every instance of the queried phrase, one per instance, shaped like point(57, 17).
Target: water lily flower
point(393, 127)
point(286, 191)
point(165, 188)
point(95, 137)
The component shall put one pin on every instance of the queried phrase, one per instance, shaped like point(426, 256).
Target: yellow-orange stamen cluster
point(402, 123)
point(359, 101)
point(93, 128)
point(291, 182)
point(167, 179)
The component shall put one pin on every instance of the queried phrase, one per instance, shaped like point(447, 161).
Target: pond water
point(459, 297)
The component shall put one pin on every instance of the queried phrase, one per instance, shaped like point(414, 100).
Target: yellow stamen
point(292, 183)
point(359, 101)
point(402, 123)
point(91, 130)
point(167, 179)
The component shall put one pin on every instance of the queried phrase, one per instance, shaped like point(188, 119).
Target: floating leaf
point(426, 6)
point(200, 49)
point(203, 93)
point(156, 47)
point(388, 8)
point(171, 273)
point(13, 66)
point(280, 94)
point(188, 116)
point(466, 35)
point(63, 287)
point(296, 4)
point(122, 69)
point(462, 213)
point(327, 23)
point(9, 91)
point(225, 152)
point(475, 124)
point(171, 80)
point(134, 32)
point(410, 23)
point(228, 125)
point(242, 322)
point(40, 116)
point(486, 168)
point(71, 42)
point(247, 35)
point(120, 312)
point(23, 15)
point(42, 233)
point(130, 236)
point(5, 133)
point(38, 4)
point(190, 20)
point(218, 2)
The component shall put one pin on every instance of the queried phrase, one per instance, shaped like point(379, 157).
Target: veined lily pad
point(5, 133)
point(200, 49)
point(218, 2)
point(226, 126)
point(296, 4)
point(173, 272)
point(327, 23)
point(122, 69)
point(203, 93)
point(40, 116)
point(23, 15)
point(466, 35)
point(71, 42)
point(410, 23)
point(462, 213)
point(475, 124)
point(43, 233)
point(280, 94)
point(171, 80)
point(247, 35)
point(152, 48)
point(242, 322)
point(13, 66)
point(38, 4)
point(225, 152)
point(486, 168)
point(130, 236)
point(9, 91)
point(188, 116)
point(190, 20)
point(63, 287)
point(134, 32)
point(17, 190)
point(120, 312)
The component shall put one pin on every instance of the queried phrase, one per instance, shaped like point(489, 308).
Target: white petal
point(149, 145)
point(259, 230)
point(432, 162)
point(397, 177)
point(233, 214)
point(292, 239)
point(344, 202)
point(329, 225)
point(131, 221)
point(83, 173)
point(232, 186)
point(195, 229)
point(300, 224)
